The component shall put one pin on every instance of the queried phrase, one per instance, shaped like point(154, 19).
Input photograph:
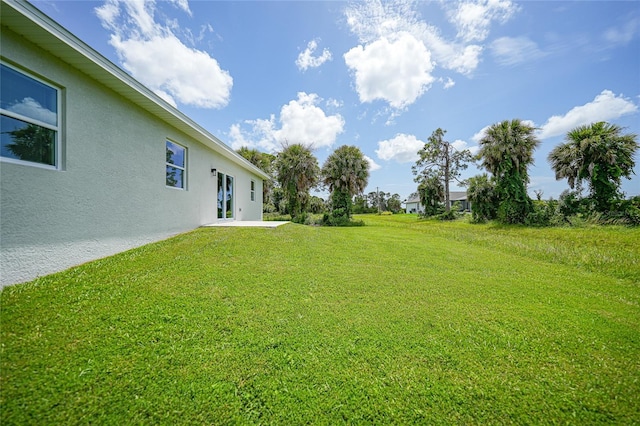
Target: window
point(253, 191)
point(29, 119)
point(176, 165)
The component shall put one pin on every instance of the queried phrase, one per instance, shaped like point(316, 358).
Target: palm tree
point(506, 151)
point(345, 173)
point(597, 153)
point(297, 172)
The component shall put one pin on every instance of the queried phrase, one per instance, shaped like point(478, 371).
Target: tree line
point(295, 172)
point(594, 157)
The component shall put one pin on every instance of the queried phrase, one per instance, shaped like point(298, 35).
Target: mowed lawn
point(397, 322)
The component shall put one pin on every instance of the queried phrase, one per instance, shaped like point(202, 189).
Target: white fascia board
point(25, 19)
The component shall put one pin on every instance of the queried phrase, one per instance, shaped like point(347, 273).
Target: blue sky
point(379, 75)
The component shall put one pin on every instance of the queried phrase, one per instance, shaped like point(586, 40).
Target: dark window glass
point(29, 119)
point(27, 142)
point(175, 165)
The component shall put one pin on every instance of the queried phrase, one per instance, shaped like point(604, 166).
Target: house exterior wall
point(109, 193)
point(460, 197)
point(414, 207)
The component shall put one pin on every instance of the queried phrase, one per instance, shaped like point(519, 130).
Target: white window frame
point(175, 166)
point(57, 128)
point(253, 190)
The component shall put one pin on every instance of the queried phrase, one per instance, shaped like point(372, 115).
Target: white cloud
point(190, 77)
point(397, 71)
point(604, 107)
point(261, 135)
point(371, 20)
point(514, 50)
point(455, 56)
point(301, 121)
point(333, 103)
point(238, 138)
point(304, 122)
point(461, 145)
point(480, 134)
point(402, 148)
point(395, 27)
point(108, 14)
point(183, 4)
point(373, 166)
point(306, 59)
point(167, 97)
point(623, 34)
point(29, 107)
point(448, 84)
point(473, 18)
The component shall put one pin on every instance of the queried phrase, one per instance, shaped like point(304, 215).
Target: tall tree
point(599, 154)
point(506, 151)
point(382, 200)
point(345, 173)
point(373, 199)
point(297, 172)
point(439, 159)
point(394, 203)
point(431, 191)
point(360, 204)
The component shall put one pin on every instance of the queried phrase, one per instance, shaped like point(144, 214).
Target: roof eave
point(26, 20)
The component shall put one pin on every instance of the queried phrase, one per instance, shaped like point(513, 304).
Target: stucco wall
point(110, 194)
point(414, 206)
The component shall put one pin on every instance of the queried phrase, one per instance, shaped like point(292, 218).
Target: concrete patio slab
point(248, 224)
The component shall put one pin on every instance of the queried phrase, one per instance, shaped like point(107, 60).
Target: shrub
point(514, 210)
point(339, 218)
point(452, 214)
point(275, 216)
point(569, 203)
point(300, 218)
point(544, 213)
point(483, 198)
point(577, 211)
point(624, 212)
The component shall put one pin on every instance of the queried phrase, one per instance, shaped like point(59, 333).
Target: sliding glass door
point(225, 196)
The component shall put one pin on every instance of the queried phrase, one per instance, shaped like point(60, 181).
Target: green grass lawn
point(401, 321)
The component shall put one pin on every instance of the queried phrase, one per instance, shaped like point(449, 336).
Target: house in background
point(413, 204)
point(92, 162)
point(460, 197)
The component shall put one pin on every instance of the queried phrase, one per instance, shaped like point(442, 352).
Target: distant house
point(92, 162)
point(461, 197)
point(413, 204)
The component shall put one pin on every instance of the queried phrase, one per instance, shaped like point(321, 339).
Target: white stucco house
point(413, 204)
point(92, 162)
